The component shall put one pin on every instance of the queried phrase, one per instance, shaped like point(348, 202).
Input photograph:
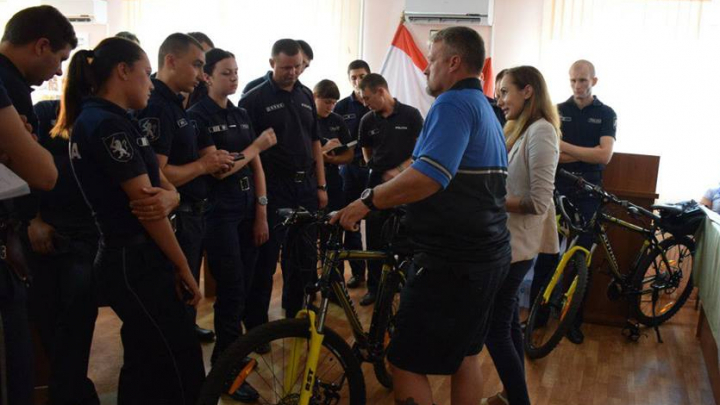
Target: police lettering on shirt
point(352, 110)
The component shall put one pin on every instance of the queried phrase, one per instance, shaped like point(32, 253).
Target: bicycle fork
point(293, 367)
point(557, 275)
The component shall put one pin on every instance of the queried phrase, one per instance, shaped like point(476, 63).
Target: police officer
point(35, 42)
point(200, 90)
point(334, 138)
point(588, 128)
point(387, 135)
point(184, 156)
point(355, 173)
point(140, 268)
point(295, 176)
point(307, 57)
point(237, 221)
point(64, 242)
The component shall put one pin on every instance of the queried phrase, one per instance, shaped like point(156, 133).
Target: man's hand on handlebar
point(350, 216)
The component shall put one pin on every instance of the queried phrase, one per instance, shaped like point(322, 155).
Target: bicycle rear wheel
point(339, 378)
point(549, 320)
point(672, 278)
point(382, 327)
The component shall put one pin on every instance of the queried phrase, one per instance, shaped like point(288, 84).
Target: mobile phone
point(238, 156)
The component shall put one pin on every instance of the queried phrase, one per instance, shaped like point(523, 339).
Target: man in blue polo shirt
point(455, 191)
point(588, 127)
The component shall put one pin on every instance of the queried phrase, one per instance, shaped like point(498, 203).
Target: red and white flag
point(403, 69)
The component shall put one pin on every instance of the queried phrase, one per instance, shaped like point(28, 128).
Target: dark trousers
point(297, 268)
point(162, 357)
point(354, 181)
point(17, 375)
point(505, 338)
point(190, 231)
point(232, 256)
point(374, 223)
point(63, 306)
point(546, 264)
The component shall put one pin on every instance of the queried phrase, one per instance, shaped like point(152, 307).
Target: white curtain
point(248, 28)
point(657, 62)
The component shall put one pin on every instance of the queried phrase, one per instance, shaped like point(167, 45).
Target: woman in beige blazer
point(531, 133)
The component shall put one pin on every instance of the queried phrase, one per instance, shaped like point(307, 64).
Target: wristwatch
point(262, 200)
point(367, 198)
point(322, 187)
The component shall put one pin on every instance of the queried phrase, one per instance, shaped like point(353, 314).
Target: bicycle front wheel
point(382, 327)
point(668, 270)
point(550, 319)
point(338, 378)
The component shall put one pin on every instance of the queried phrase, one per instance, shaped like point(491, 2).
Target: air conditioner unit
point(449, 11)
point(81, 11)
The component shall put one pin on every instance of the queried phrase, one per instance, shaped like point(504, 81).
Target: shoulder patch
point(182, 122)
point(150, 127)
point(118, 146)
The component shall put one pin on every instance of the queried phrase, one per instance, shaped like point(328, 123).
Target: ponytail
point(78, 85)
point(87, 74)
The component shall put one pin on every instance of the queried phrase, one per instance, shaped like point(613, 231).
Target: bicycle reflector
point(242, 375)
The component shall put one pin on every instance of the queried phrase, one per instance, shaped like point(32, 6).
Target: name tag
point(375, 131)
point(142, 141)
point(275, 107)
point(403, 128)
point(218, 128)
point(565, 119)
point(334, 129)
point(595, 120)
point(182, 122)
point(244, 126)
point(306, 106)
point(348, 117)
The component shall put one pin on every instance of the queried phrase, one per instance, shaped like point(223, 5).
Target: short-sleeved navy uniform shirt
point(18, 90)
point(107, 149)
point(392, 139)
point(167, 126)
point(585, 128)
point(229, 129)
point(333, 127)
point(256, 82)
point(63, 207)
point(4, 99)
point(293, 117)
point(352, 110)
point(462, 148)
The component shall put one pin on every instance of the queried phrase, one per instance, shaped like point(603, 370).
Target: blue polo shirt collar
point(167, 93)
point(468, 83)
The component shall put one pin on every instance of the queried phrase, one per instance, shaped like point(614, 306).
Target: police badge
point(119, 147)
point(151, 128)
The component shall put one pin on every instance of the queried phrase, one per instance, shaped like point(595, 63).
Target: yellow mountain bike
point(656, 286)
point(307, 362)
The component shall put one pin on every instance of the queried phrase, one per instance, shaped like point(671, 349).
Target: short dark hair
point(501, 74)
point(212, 57)
point(306, 49)
point(372, 82)
point(33, 23)
point(129, 36)
point(466, 43)
point(176, 44)
point(201, 37)
point(85, 78)
point(359, 64)
point(289, 47)
point(327, 89)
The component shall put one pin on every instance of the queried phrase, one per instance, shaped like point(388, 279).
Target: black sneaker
point(575, 335)
point(368, 299)
point(204, 335)
point(263, 349)
point(246, 393)
point(355, 282)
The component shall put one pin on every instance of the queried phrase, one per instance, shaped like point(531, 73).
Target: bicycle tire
point(382, 325)
point(560, 312)
point(683, 258)
point(226, 366)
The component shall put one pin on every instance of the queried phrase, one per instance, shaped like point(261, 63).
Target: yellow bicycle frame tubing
point(561, 267)
point(316, 340)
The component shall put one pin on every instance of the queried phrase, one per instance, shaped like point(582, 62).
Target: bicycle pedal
point(632, 331)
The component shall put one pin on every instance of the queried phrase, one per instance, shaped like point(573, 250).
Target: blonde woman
point(532, 138)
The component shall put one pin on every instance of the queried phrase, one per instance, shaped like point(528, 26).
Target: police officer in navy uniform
point(185, 156)
point(355, 173)
point(295, 176)
point(64, 242)
point(588, 136)
point(140, 268)
point(387, 135)
point(200, 90)
point(307, 56)
point(237, 221)
point(35, 42)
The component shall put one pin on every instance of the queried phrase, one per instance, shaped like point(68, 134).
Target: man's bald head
point(584, 64)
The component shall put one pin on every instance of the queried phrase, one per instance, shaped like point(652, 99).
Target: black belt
point(300, 176)
point(244, 183)
point(125, 241)
point(195, 207)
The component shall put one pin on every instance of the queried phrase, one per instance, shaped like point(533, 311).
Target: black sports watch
point(367, 198)
point(322, 187)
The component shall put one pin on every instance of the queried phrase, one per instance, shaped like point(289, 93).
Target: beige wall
point(514, 38)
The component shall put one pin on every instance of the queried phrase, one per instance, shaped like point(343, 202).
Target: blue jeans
point(505, 338)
